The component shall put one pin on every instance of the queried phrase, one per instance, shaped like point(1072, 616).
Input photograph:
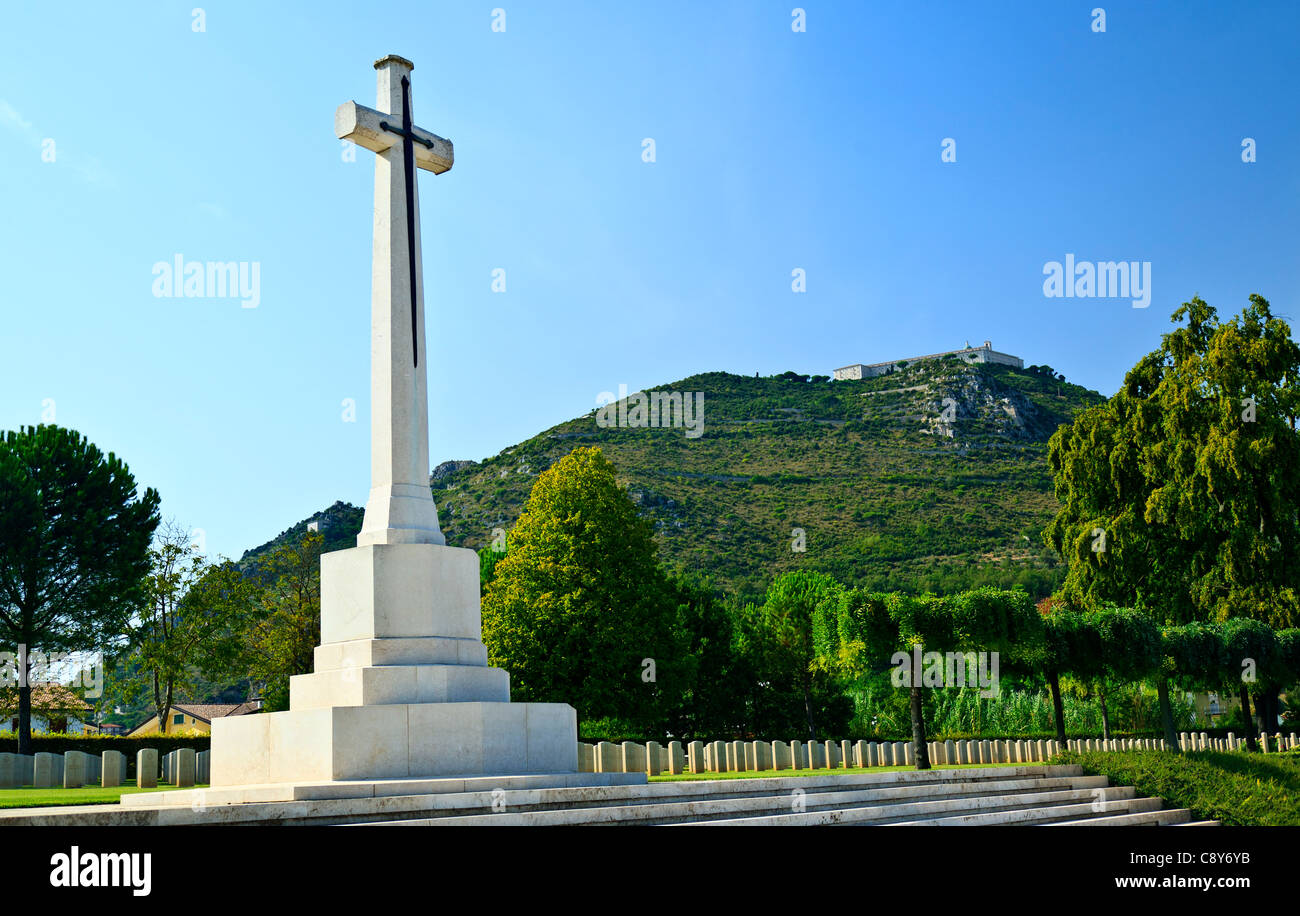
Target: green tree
point(283, 641)
point(1066, 639)
point(578, 610)
point(192, 623)
point(705, 678)
point(786, 617)
point(74, 547)
point(1177, 495)
point(1128, 651)
point(1249, 656)
point(860, 633)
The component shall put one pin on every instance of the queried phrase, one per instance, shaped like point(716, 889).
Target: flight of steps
point(1013, 794)
point(1050, 795)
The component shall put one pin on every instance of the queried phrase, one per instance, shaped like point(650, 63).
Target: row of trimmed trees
point(858, 633)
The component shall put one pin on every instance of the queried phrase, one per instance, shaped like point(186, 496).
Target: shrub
point(1233, 788)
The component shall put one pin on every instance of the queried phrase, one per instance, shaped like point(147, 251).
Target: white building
point(983, 354)
point(55, 709)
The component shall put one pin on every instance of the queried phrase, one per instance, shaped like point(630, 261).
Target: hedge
point(97, 744)
point(1232, 788)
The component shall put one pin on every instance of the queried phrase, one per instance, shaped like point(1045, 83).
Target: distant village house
point(55, 710)
point(195, 718)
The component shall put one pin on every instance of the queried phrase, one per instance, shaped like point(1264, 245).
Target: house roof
point(206, 712)
point(46, 698)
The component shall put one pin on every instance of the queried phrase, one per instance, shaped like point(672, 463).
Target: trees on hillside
point(74, 548)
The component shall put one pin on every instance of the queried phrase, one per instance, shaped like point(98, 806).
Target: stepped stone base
point(395, 741)
point(401, 688)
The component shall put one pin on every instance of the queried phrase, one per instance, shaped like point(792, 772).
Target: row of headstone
point(998, 750)
point(74, 769)
point(1089, 745)
point(17, 770)
point(180, 767)
point(651, 758)
point(1188, 741)
point(47, 772)
point(759, 756)
point(1275, 743)
point(755, 756)
point(79, 769)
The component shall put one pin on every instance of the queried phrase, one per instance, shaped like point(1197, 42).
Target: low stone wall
point(653, 758)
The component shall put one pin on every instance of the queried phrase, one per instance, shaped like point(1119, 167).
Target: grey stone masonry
point(653, 759)
point(146, 768)
point(697, 756)
point(608, 758)
point(112, 769)
point(74, 770)
point(185, 767)
point(44, 771)
point(780, 755)
point(676, 758)
point(633, 758)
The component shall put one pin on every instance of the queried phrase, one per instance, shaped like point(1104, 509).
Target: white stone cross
point(400, 507)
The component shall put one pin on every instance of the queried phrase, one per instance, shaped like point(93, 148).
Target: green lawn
point(770, 774)
point(1233, 788)
point(87, 795)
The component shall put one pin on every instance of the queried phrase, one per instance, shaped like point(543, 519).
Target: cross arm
point(361, 125)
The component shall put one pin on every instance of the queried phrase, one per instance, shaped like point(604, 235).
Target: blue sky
point(775, 150)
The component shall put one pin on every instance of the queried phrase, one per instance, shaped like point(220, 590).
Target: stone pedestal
point(402, 687)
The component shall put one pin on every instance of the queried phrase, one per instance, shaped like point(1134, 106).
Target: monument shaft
point(400, 508)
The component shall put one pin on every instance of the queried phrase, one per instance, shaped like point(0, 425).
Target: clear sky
point(774, 150)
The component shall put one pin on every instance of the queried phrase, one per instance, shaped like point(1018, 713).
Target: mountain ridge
point(932, 477)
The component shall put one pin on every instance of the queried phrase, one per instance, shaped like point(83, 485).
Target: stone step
point(1153, 815)
point(639, 808)
point(405, 800)
point(628, 785)
point(1008, 808)
point(1050, 814)
point(1036, 794)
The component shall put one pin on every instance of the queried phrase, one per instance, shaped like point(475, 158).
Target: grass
point(1238, 788)
point(29, 797)
point(772, 774)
